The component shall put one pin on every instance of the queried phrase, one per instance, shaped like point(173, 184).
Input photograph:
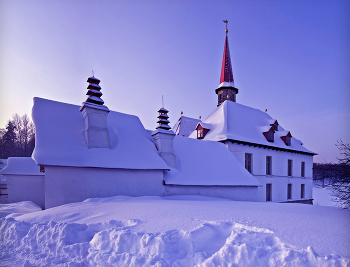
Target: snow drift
point(94, 233)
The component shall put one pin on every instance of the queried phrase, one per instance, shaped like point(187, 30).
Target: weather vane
point(226, 22)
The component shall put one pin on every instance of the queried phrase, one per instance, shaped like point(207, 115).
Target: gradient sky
point(289, 57)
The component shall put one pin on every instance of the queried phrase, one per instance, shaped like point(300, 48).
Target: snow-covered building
point(3, 183)
point(269, 152)
point(238, 152)
point(89, 151)
point(24, 180)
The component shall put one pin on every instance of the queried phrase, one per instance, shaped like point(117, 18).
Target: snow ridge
point(114, 243)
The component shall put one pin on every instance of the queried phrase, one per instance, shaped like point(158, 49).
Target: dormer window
point(275, 125)
point(269, 135)
point(200, 134)
point(287, 139)
point(201, 131)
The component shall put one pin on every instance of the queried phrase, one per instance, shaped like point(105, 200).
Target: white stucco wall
point(279, 190)
point(279, 176)
point(239, 193)
point(70, 184)
point(26, 188)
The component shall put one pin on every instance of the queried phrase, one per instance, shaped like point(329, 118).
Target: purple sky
point(290, 57)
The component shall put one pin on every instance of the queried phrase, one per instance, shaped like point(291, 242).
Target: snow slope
point(177, 231)
point(18, 208)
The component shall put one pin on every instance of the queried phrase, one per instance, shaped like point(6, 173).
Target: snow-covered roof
point(200, 162)
point(233, 121)
point(21, 166)
point(60, 139)
point(185, 126)
point(204, 125)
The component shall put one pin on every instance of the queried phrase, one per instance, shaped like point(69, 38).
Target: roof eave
point(270, 147)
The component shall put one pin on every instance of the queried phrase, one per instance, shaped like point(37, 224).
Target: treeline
point(336, 176)
point(18, 138)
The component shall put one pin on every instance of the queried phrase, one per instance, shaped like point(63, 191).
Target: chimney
point(163, 137)
point(95, 115)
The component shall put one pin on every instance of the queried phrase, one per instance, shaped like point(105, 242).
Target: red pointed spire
point(226, 89)
point(226, 70)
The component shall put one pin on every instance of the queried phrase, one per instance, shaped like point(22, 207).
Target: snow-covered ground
point(323, 197)
point(176, 231)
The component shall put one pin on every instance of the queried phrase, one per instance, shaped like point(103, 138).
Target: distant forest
point(336, 176)
point(18, 138)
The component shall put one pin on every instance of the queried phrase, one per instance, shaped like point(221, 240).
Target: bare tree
point(17, 122)
point(324, 173)
point(340, 185)
point(25, 133)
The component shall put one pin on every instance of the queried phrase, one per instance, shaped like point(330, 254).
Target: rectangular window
point(248, 162)
point(288, 141)
point(290, 165)
point(270, 137)
point(302, 169)
point(200, 134)
point(268, 165)
point(289, 194)
point(268, 192)
point(302, 194)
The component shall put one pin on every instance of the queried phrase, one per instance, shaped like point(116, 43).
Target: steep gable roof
point(233, 121)
point(60, 139)
point(185, 126)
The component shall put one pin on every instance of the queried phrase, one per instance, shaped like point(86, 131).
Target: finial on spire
point(226, 22)
point(93, 73)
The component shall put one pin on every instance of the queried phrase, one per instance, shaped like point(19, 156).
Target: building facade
point(270, 153)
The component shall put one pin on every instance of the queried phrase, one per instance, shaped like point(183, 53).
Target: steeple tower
point(226, 89)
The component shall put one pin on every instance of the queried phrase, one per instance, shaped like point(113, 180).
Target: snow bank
point(18, 208)
point(113, 243)
point(176, 231)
